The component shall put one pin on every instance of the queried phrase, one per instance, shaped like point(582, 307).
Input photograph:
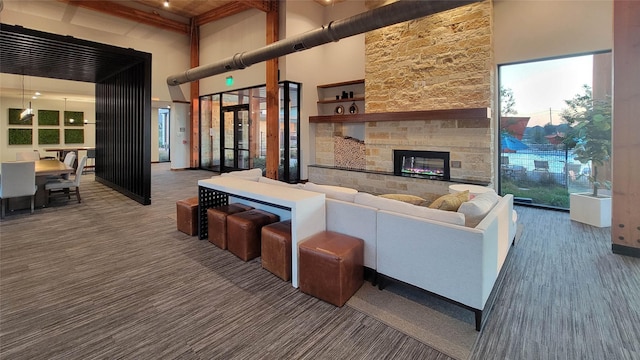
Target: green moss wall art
point(48, 117)
point(48, 136)
point(20, 136)
point(77, 116)
point(74, 136)
point(14, 118)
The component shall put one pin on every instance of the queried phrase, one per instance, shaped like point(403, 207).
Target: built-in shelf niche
point(477, 114)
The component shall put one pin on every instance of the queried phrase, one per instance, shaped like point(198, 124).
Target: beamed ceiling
point(34, 53)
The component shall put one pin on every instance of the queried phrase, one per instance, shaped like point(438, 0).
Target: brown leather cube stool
point(217, 222)
point(244, 230)
point(276, 249)
point(331, 266)
point(187, 215)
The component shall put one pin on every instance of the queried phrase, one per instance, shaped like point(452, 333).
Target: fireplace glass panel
point(422, 167)
point(432, 165)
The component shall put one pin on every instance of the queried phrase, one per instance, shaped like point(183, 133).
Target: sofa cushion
point(252, 175)
point(477, 208)
point(332, 192)
point(270, 181)
point(450, 202)
point(411, 199)
point(329, 188)
point(408, 209)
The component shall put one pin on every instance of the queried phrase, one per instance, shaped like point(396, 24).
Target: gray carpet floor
point(112, 279)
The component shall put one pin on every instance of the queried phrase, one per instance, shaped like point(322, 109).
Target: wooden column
point(273, 143)
point(625, 225)
point(194, 138)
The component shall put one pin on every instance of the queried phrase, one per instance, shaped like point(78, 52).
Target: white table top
point(281, 195)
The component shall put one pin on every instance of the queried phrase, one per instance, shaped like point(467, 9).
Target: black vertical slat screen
point(123, 97)
point(123, 132)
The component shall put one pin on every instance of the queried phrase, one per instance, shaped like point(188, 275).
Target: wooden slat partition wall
point(123, 131)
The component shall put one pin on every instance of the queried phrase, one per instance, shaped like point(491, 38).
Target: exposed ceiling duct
point(391, 14)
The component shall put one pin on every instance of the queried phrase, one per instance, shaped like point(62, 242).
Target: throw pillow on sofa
point(411, 199)
point(450, 202)
point(477, 208)
point(408, 209)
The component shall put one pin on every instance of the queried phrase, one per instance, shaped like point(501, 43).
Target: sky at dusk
point(540, 88)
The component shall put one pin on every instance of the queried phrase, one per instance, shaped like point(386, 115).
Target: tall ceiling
point(23, 54)
point(179, 14)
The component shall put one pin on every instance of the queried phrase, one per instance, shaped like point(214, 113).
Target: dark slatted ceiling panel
point(35, 53)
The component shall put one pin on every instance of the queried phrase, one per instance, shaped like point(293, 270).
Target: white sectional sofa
point(456, 255)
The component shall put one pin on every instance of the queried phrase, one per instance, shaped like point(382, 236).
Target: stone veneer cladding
point(442, 61)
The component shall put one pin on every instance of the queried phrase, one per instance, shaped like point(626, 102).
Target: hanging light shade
point(71, 121)
point(27, 113)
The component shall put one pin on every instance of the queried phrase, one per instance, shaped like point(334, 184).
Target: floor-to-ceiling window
point(233, 128)
point(538, 162)
point(163, 135)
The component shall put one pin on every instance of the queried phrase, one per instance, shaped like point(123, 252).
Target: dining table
point(62, 151)
point(45, 169)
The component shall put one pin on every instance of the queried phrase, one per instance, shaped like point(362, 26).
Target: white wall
point(224, 38)
point(8, 153)
point(333, 62)
point(537, 29)
point(180, 139)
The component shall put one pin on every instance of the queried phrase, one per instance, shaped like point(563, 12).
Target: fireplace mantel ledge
point(449, 114)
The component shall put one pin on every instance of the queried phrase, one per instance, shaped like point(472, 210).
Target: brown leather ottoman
point(331, 266)
point(276, 249)
point(187, 215)
point(217, 220)
point(244, 230)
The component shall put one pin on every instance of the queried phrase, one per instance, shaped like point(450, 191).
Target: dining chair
point(64, 185)
point(27, 155)
point(91, 160)
point(69, 159)
point(17, 179)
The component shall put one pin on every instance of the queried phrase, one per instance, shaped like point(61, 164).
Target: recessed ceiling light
point(166, 3)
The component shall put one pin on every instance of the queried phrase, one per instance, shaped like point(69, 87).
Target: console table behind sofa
point(305, 208)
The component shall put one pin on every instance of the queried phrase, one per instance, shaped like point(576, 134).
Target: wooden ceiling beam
point(221, 12)
point(115, 9)
point(234, 8)
point(264, 5)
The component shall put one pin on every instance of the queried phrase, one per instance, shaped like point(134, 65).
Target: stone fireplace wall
point(443, 61)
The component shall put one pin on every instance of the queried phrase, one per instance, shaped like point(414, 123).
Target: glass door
point(163, 135)
point(235, 136)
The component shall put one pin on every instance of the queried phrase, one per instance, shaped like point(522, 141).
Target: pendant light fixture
point(27, 113)
point(71, 120)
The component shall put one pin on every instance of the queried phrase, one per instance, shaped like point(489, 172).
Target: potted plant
point(590, 138)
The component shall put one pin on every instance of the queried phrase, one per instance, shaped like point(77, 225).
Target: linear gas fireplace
point(433, 165)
